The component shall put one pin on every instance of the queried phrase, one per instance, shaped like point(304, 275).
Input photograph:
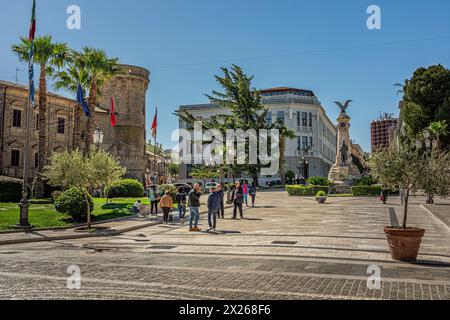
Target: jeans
point(166, 212)
point(236, 207)
point(253, 196)
point(212, 218)
point(182, 211)
point(246, 199)
point(221, 212)
point(195, 216)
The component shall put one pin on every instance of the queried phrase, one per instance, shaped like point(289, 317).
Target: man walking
point(194, 208)
point(213, 208)
point(238, 199)
point(252, 192)
point(181, 200)
point(221, 212)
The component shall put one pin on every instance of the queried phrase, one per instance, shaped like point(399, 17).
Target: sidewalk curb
point(112, 233)
point(442, 223)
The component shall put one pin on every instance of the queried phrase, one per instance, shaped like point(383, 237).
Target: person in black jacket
point(181, 200)
point(194, 208)
point(238, 199)
point(221, 193)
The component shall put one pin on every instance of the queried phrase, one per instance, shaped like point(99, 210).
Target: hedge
point(305, 191)
point(73, 202)
point(126, 188)
point(366, 191)
point(10, 189)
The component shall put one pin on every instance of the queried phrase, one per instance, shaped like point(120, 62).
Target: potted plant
point(405, 167)
point(321, 197)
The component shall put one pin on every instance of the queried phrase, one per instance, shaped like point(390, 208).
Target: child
point(181, 200)
point(137, 207)
point(166, 206)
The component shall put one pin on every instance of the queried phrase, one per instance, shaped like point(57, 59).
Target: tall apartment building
point(383, 131)
point(312, 152)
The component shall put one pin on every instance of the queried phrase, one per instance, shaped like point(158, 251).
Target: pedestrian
point(245, 190)
point(181, 200)
point(213, 207)
point(252, 192)
point(166, 206)
point(384, 195)
point(194, 208)
point(219, 190)
point(137, 207)
point(238, 198)
point(154, 198)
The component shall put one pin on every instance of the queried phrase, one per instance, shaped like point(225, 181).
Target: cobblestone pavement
point(288, 248)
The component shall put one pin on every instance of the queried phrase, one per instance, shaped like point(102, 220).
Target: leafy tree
point(290, 176)
point(426, 100)
point(438, 130)
point(99, 68)
point(204, 173)
point(72, 169)
point(173, 170)
point(50, 56)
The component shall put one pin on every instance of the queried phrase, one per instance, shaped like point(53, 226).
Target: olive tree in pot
point(405, 167)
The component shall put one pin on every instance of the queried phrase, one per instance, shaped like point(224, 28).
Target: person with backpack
point(181, 200)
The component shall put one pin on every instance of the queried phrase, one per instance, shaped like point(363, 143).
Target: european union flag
point(82, 102)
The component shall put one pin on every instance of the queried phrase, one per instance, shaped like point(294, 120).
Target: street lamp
point(98, 137)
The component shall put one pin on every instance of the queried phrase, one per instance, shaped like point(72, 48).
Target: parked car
point(209, 186)
point(186, 188)
point(274, 183)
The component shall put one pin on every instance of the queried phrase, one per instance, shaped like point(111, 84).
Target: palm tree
point(50, 56)
point(439, 130)
point(69, 80)
point(99, 68)
point(285, 135)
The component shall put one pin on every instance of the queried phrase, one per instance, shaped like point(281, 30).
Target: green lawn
point(44, 215)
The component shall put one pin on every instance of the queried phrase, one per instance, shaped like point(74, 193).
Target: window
point(280, 116)
point(304, 143)
point(304, 119)
point(36, 160)
point(310, 120)
point(311, 141)
point(61, 125)
point(37, 121)
point(299, 119)
point(269, 118)
point(15, 158)
point(299, 143)
point(17, 118)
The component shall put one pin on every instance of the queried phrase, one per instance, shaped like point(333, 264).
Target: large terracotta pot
point(404, 244)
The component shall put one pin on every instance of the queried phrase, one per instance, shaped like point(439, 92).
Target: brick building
point(382, 131)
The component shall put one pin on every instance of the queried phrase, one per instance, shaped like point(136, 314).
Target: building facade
point(126, 141)
point(383, 132)
point(311, 153)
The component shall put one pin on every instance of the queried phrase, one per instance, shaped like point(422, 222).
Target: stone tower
point(344, 171)
point(126, 141)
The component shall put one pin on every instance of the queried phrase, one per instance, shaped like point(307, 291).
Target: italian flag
point(32, 33)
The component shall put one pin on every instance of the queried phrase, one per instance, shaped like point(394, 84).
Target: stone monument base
point(343, 177)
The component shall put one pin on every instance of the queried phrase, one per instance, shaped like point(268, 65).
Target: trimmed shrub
point(320, 181)
point(73, 202)
point(10, 189)
point(126, 188)
point(366, 191)
point(321, 194)
point(309, 191)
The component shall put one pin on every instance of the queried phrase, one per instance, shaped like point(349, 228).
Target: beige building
point(127, 140)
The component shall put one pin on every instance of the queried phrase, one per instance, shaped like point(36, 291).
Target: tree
point(438, 130)
point(72, 169)
point(407, 168)
point(290, 176)
point(285, 134)
point(173, 170)
point(204, 173)
point(69, 79)
point(426, 100)
point(99, 68)
point(50, 56)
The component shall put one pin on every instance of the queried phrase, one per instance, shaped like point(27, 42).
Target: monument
point(344, 171)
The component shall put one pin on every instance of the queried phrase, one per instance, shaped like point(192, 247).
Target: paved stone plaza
point(287, 248)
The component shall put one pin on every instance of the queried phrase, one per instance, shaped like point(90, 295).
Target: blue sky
point(184, 43)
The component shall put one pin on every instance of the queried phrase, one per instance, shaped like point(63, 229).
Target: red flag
point(112, 114)
point(155, 125)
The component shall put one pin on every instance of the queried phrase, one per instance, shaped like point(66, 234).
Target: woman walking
point(154, 198)
point(166, 206)
point(245, 189)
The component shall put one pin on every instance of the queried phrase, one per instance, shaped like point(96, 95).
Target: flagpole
point(156, 148)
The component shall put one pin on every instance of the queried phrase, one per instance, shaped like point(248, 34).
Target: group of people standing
point(239, 194)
